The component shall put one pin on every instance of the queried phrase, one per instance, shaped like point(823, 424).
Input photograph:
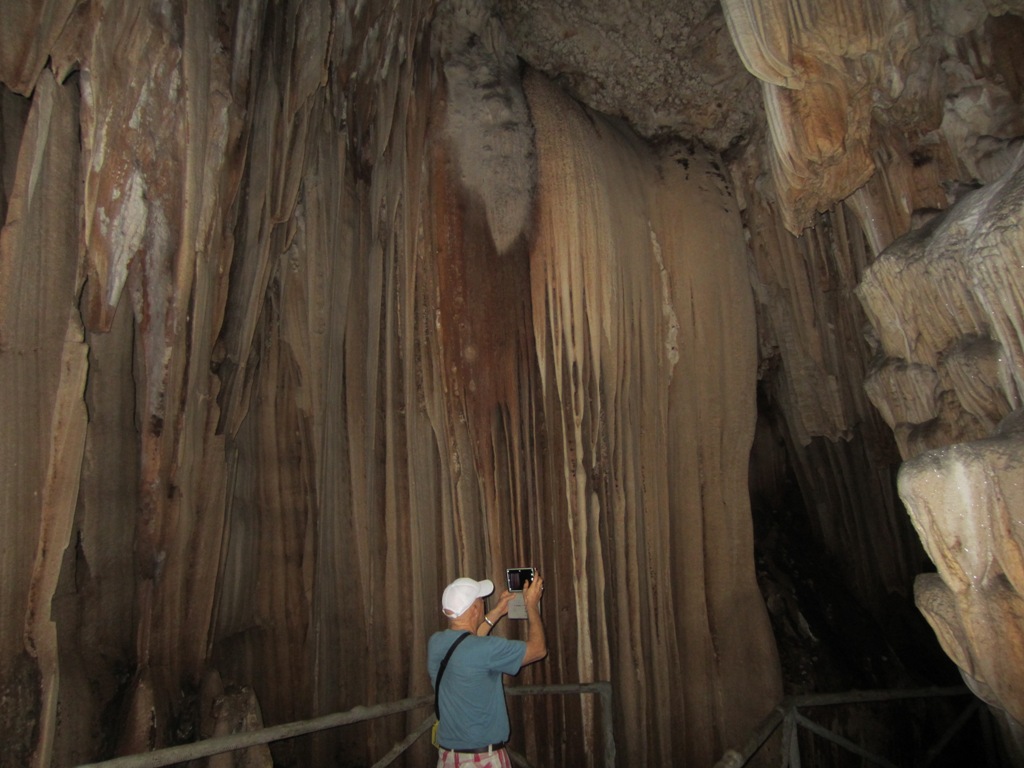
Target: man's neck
point(461, 625)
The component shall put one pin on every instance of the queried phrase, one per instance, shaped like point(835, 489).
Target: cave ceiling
point(670, 69)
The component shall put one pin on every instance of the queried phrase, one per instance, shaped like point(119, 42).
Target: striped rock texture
point(308, 307)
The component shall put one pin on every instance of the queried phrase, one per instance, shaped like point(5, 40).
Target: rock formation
point(945, 304)
point(308, 307)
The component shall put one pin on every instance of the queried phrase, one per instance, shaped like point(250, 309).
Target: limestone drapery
point(319, 386)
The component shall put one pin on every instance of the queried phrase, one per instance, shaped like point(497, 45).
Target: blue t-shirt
point(472, 699)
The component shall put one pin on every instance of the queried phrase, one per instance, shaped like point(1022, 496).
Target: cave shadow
point(830, 642)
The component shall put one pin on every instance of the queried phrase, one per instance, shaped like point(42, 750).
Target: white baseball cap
point(461, 594)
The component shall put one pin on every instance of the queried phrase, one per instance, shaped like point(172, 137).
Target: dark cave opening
point(829, 641)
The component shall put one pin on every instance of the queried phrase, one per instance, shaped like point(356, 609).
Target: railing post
point(790, 740)
point(607, 720)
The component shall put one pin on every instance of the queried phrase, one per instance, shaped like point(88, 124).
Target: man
point(473, 719)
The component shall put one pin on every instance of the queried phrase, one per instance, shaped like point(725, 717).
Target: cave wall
point(883, 210)
point(295, 346)
point(306, 308)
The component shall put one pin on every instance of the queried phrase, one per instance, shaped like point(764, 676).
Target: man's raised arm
point(536, 644)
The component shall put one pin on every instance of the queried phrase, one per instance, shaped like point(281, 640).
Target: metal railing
point(602, 688)
point(235, 741)
point(787, 715)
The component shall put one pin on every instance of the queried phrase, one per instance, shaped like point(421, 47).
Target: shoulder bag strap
point(440, 670)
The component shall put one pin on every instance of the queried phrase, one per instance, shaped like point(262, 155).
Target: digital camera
point(518, 578)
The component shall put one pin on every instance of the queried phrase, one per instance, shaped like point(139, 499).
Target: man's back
point(472, 697)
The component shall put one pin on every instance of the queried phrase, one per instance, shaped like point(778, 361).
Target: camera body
point(517, 579)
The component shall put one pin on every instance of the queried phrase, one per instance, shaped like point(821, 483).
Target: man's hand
point(533, 591)
point(501, 607)
point(493, 616)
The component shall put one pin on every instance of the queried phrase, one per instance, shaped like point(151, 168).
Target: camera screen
point(518, 578)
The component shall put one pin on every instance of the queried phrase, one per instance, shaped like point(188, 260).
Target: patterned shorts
point(499, 758)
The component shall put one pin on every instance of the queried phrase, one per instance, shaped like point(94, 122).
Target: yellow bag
point(433, 734)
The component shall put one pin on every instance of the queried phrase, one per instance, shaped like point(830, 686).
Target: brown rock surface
point(308, 307)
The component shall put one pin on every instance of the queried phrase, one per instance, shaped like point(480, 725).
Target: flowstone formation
point(307, 308)
point(946, 304)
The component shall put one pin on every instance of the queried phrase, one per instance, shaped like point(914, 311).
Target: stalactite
point(814, 61)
